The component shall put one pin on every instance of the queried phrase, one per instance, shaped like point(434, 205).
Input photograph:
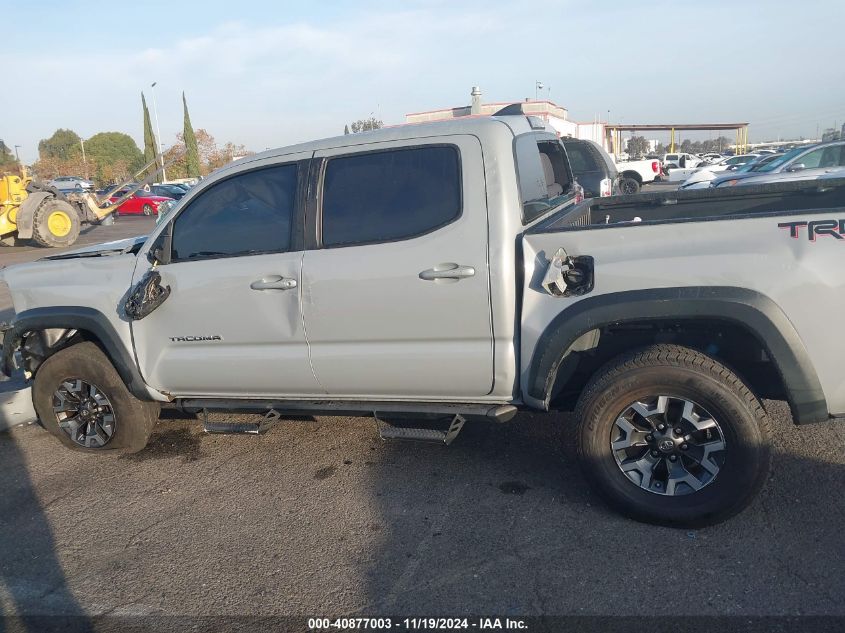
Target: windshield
point(781, 160)
point(756, 164)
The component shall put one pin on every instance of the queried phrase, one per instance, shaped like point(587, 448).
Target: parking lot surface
point(319, 517)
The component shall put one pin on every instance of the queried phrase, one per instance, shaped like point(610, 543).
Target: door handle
point(450, 271)
point(273, 282)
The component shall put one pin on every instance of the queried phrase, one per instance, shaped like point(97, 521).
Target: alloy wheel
point(668, 445)
point(84, 412)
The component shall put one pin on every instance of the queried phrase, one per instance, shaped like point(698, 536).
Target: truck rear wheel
point(628, 185)
point(670, 436)
point(80, 398)
point(55, 224)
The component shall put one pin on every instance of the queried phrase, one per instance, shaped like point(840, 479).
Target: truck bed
point(788, 198)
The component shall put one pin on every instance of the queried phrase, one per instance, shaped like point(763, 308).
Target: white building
point(554, 115)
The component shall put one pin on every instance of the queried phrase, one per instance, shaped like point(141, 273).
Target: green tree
point(192, 156)
point(150, 146)
point(365, 125)
point(63, 145)
point(8, 163)
point(637, 146)
point(115, 156)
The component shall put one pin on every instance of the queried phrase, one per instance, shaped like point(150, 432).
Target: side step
point(390, 432)
point(250, 428)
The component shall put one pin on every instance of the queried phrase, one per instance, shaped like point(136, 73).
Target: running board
point(430, 410)
point(390, 432)
point(249, 428)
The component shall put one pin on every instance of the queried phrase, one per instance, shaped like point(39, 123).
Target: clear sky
point(266, 73)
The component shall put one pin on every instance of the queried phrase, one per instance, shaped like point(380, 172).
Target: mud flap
point(147, 295)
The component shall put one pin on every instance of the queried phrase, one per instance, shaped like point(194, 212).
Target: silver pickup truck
point(438, 273)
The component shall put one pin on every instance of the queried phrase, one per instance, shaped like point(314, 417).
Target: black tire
point(42, 233)
point(133, 419)
point(683, 374)
point(629, 185)
point(147, 209)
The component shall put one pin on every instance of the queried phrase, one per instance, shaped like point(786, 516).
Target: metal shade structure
point(614, 132)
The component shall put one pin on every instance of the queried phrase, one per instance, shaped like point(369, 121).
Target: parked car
point(682, 160)
point(493, 291)
point(741, 171)
point(634, 174)
point(792, 176)
point(168, 191)
point(708, 172)
point(813, 161)
point(712, 157)
point(140, 202)
point(593, 167)
point(69, 183)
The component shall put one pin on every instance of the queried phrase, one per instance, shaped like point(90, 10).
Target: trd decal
point(815, 228)
point(191, 339)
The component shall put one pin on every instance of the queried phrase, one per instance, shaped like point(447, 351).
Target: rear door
point(396, 288)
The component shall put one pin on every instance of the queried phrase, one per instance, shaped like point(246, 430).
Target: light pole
point(538, 86)
point(158, 131)
point(17, 158)
point(84, 161)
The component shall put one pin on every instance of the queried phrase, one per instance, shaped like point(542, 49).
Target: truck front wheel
point(80, 398)
point(669, 435)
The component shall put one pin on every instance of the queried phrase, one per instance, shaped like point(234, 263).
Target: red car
point(141, 201)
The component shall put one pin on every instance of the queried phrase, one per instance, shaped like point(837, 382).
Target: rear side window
point(246, 214)
point(390, 195)
point(545, 179)
point(580, 157)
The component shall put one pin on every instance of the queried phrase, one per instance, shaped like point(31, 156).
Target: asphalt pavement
point(319, 517)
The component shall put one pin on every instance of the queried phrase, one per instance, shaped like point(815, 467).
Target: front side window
point(249, 213)
point(811, 160)
point(389, 195)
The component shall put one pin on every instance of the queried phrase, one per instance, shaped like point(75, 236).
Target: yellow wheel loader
point(33, 211)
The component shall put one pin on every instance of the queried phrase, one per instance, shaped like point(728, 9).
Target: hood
point(735, 175)
point(117, 247)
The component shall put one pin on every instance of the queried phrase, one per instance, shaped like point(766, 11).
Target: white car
point(707, 173)
point(713, 157)
point(69, 183)
point(682, 160)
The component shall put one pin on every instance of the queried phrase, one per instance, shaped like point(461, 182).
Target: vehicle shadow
point(34, 595)
point(503, 522)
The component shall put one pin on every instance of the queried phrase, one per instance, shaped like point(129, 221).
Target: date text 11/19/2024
point(416, 624)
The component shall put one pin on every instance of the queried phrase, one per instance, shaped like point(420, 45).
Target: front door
point(232, 324)
point(396, 293)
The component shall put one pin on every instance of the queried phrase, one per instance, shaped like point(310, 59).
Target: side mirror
point(159, 252)
point(797, 167)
